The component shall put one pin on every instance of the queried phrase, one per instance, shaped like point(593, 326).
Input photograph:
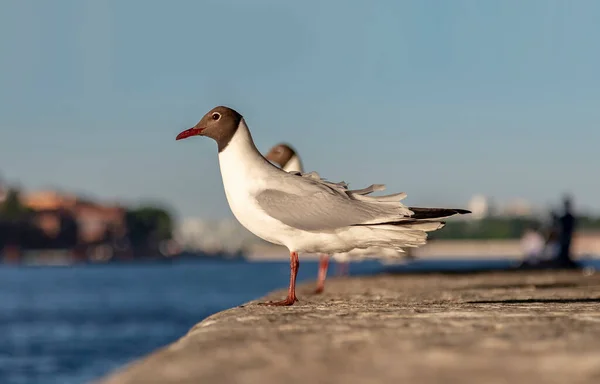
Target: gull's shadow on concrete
point(466, 271)
point(538, 301)
point(522, 286)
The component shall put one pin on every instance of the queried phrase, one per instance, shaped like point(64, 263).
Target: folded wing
point(311, 203)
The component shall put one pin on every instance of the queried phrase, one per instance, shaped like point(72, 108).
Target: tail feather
point(408, 233)
point(435, 213)
point(393, 236)
point(427, 226)
point(409, 223)
point(423, 215)
point(393, 198)
point(361, 194)
point(370, 189)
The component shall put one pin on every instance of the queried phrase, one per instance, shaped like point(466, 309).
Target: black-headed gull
point(286, 157)
point(305, 213)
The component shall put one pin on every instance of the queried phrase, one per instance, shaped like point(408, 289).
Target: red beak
point(189, 132)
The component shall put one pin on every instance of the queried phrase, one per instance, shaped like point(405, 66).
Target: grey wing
point(322, 211)
point(315, 212)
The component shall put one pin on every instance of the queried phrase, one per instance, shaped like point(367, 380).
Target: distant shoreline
point(584, 246)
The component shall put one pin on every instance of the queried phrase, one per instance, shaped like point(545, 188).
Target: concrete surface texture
point(502, 327)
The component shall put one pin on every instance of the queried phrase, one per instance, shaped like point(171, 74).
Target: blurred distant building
point(94, 221)
point(47, 200)
point(518, 207)
point(483, 207)
point(479, 206)
point(194, 234)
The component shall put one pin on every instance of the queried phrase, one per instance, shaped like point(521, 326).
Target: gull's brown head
point(281, 154)
point(220, 124)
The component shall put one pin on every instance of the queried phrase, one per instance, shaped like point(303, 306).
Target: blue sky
point(440, 99)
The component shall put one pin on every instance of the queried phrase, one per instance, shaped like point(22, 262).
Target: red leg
point(323, 264)
point(291, 296)
point(343, 268)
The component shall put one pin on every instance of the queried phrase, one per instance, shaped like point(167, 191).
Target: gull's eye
point(216, 116)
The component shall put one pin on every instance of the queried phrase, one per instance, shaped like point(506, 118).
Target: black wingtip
point(433, 213)
point(420, 214)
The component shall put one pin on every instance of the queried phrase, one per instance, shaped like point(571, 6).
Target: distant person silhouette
point(551, 235)
point(566, 227)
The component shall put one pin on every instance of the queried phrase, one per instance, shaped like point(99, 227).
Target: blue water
point(63, 325)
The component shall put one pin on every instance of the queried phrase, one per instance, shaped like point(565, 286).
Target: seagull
point(304, 212)
point(285, 157)
point(288, 159)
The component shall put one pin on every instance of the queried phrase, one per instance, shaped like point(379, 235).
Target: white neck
point(294, 165)
point(245, 172)
point(241, 144)
point(240, 159)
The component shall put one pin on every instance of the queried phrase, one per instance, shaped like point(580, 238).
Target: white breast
point(245, 172)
